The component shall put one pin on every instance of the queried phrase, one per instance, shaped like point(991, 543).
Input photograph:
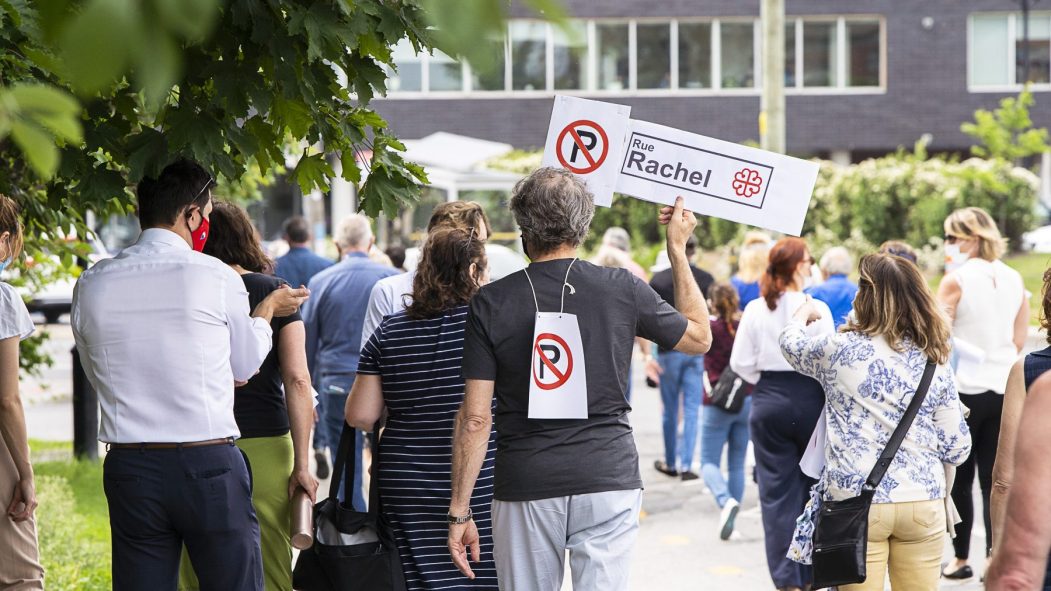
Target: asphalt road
point(678, 545)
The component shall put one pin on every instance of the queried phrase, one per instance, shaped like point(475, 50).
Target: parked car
point(1038, 240)
point(502, 260)
point(56, 298)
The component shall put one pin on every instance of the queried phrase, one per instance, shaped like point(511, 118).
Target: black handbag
point(728, 393)
point(841, 528)
point(352, 551)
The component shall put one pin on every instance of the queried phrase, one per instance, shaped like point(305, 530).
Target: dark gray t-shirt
point(540, 459)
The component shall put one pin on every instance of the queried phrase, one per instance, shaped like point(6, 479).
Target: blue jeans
point(725, 429)
point(681, 378)
point(334, 389)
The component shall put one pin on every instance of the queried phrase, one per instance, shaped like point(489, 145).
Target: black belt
point(210, 442)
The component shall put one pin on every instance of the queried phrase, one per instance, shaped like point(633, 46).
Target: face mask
point(954, 259)
point(200, 235)
point(4, 263)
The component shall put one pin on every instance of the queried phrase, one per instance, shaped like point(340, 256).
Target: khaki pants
point(21, 570)
point(906, 539)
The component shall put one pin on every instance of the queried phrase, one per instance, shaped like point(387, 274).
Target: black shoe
point(687, 475)
point(964, 572)
point(322, 464)
point(665, 469)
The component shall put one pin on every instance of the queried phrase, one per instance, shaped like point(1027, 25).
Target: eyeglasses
point(211, 181)
point(950, 239)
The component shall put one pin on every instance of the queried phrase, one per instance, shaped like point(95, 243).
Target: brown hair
point(443, 277)
point(895, 302)
point(899, 249)
point(785, 257)
point(232, 238)
point(977, 224)
point(726, 303)
point(460, 214)
point(9, 223)
point(1045, 306)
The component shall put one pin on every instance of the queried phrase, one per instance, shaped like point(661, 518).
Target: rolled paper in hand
point(302, 520)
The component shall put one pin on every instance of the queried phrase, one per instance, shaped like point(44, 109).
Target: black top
point(663, 285)
point(540, 459)
point(1035, 364)
point(259, 405)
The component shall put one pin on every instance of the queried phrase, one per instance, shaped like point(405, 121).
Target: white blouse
point(991, 294)
point(756, 348)
point(14, 317)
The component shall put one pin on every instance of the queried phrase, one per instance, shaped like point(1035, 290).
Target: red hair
point(785, 257)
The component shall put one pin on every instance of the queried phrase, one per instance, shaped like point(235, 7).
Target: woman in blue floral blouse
point(870, 371)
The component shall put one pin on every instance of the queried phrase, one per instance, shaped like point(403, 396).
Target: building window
point(494, 77)
point(710, 55)
point(570, 57)
point(444, 73)
point(528, 55)
point(408, 77)
point(738, 54)
point(653, 55)
point(611, 56)
point(997, 50)
point(695, 55)
point(819, 54)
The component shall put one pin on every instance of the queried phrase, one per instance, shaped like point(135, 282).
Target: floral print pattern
point(868, 385)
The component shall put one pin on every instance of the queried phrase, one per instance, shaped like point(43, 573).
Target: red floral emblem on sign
point(747, 182)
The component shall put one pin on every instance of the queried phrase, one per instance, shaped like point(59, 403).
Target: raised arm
point(688, 297)
point(1004, 468)
point(299, 401)
point(471, 433)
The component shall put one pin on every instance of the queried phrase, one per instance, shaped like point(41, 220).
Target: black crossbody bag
point(841, 528)
point(729, 392)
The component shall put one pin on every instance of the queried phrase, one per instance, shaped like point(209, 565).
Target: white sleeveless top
point(991, 293)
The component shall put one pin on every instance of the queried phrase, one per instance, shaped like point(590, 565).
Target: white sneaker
point(726, 519)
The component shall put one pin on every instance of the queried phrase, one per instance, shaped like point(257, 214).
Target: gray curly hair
point(552, 207)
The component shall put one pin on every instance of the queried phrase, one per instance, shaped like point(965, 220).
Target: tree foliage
point(1008, 131)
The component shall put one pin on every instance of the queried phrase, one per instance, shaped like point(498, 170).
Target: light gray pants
point(531, 538)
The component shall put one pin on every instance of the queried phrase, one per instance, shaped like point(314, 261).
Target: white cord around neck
point(565, 283)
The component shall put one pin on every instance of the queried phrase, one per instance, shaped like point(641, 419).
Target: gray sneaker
point(726, 519)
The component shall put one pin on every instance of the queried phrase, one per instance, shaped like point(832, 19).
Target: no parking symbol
point(587, 138)
point(582, 146)
point(554, 361)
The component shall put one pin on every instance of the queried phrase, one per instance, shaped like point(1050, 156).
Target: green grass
point(72, 519)
point(1031, 267)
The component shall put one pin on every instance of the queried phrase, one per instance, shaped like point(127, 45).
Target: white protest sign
point(587, 138)
point(717, 178)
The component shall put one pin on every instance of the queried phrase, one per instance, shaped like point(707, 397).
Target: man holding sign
point(553, 344)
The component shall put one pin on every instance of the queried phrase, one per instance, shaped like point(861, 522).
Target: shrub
point(72, 558)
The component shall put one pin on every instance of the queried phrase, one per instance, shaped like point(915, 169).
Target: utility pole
point(772, 104)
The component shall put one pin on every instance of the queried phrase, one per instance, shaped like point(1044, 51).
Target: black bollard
point(85, 413)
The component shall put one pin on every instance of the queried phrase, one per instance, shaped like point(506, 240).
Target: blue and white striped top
point(419, 362)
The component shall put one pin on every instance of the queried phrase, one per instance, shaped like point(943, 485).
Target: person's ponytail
point(785, 257)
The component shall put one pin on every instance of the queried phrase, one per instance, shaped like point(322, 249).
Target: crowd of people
point(221, 373)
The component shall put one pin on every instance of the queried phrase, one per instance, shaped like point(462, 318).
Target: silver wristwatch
point(454, 520)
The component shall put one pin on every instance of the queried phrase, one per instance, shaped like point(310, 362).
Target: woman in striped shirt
point(411, 367)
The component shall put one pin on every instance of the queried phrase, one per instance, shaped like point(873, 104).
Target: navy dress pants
point(785, 409)
point(160, 499)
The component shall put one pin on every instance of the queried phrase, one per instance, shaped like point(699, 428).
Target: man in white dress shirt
point(164, 332)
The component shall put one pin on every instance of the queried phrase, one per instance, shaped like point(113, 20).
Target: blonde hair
point(755, 252)
point(9, 223)
point(976, 223)
point(895, 302)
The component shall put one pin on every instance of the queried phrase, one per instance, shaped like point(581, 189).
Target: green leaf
point(96, 45)
point(293, 114)
point(51, 108)
point(312, 172)
point(351, 172)
point(157, 66)
point(193, 19)
point(39, 148)
point(147, 154)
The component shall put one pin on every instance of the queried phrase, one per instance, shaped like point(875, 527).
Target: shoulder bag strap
point(374, 481)
point(899, 433)
point(346, 462)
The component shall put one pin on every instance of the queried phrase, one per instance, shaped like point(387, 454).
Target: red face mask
point(200, 235)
